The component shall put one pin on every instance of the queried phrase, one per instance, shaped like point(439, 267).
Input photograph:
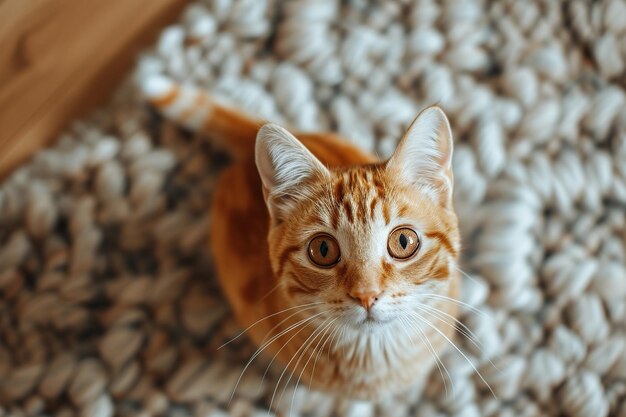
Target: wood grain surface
point(59, 58)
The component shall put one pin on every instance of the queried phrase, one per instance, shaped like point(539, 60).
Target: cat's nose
point(365, 298)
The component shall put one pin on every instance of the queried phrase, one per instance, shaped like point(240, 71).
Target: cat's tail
point(195, 109)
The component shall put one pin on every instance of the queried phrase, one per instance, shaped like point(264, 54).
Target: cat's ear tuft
point(286, 168)
point(424, 155)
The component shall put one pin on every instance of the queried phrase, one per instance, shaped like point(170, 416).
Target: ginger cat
point(342, 267)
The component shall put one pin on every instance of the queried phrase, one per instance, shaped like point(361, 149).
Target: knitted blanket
point(108, 301)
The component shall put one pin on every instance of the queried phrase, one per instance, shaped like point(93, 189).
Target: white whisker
point(304, 345)
point(286, 319)
point(328, 326)
point(270, 292)
point(264, 346)
point(469, 335)
point(417, 316)
point(460, 303)
point(303, 350)
point(465, 274)
point(331, 340)
point(455, 323)
point(265, 318)
point(287, 342)
point(432, 350)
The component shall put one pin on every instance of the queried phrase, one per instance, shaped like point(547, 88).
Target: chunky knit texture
point(108, 301)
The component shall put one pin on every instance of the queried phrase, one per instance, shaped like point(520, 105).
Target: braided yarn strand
point(109, 304)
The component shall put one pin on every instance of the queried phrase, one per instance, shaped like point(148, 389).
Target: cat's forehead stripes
point(357, 194)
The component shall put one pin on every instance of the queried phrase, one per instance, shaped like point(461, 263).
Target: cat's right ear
point(424, 156)
point(286, 168)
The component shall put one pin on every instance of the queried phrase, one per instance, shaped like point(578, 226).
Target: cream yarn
point(107, 301)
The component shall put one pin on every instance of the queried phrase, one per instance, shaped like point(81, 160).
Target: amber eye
point(324, 251)
point(403, 243)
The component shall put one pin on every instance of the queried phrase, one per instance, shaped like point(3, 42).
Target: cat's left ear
point(287, 168)
point(424, 155)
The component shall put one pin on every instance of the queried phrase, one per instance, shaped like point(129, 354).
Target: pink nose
point(365, 298)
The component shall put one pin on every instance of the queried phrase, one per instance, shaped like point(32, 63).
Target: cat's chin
point(370, 323)
point(375, 323)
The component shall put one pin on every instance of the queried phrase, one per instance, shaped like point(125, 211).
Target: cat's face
point(365, 245)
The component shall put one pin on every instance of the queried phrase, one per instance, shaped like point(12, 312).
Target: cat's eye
point(403, 243)
point(324, 251)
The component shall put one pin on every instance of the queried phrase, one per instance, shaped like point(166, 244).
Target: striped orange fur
point(368, 310)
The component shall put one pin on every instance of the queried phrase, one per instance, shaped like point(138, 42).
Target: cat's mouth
point(361, 319)
point(372, 319)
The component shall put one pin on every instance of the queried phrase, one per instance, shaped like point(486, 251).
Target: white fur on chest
point(377, 363)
